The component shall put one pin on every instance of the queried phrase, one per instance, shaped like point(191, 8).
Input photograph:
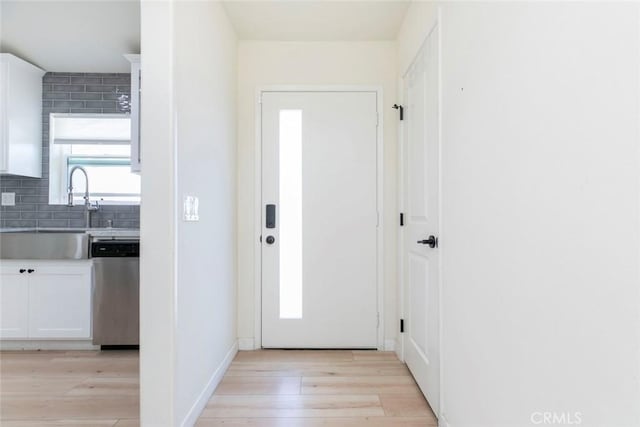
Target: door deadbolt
point(270, 240)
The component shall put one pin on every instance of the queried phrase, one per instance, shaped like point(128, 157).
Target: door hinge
point(401, 326)
point(401, 219)
point(400, 108)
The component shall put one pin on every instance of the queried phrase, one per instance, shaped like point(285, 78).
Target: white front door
point(319, 220)
point(421, 177)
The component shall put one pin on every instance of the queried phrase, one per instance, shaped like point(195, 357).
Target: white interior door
point(422, 221)
point(319, 224)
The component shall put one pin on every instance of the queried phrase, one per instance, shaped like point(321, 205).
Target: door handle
point(432, 242)
point(31, 270)
point(270, 240)
point(22, 270)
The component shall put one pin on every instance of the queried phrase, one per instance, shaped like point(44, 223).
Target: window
point(290, 191)
point(101, 145)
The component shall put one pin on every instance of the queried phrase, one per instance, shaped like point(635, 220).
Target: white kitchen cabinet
point(136, 78)
point(20, 117)
point(46, 299)
point(14, 302)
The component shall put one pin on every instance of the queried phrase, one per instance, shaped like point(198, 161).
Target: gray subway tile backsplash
point(19, 223)
point(86, 96)
point(67, 88)
point(56, 78)
point(85, 80)
point(66, 93)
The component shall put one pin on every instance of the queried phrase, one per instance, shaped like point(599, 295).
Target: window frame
point(59, 155)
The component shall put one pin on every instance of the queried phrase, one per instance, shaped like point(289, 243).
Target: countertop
point(98, 232)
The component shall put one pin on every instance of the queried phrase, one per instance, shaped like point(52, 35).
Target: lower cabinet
point(14, 303)
point(45, 299)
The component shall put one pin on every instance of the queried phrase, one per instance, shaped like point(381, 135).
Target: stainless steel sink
point(45, 244)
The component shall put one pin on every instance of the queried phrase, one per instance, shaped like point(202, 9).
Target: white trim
point(638, 264)
point(258, 196)
point(202, 400)
point(442, 422)
point(398, 347)
point(440, 411)
point(401, 209)
point(257, 224)
point(246, 344)
point(47, 345)
point(381, 222)
point(390, 345)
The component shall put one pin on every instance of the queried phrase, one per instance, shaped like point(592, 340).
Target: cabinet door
point(60, 301)
point(14, 300)
point(21, 117)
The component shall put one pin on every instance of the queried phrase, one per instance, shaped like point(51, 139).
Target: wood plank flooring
point(69, 388)
point(299, 388)
point(268, 388)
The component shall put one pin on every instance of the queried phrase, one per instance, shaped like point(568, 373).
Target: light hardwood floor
point(266, 388)
point(69, 388)
point(299, 388)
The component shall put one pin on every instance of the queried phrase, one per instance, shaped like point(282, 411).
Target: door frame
point(434, 25)
point(257, 225)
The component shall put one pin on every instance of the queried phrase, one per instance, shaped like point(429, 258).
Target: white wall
point(540, 238)
point(310, 63)
point(197, 311)
point(205, 76)
point(157, 219)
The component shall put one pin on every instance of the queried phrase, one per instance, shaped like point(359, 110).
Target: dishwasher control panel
point(115, 249)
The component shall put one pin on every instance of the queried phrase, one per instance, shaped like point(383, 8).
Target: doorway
point(320, 219)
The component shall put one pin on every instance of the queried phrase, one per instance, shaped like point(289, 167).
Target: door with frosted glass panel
point(319, 220)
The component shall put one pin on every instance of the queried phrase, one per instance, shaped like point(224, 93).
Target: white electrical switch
point(191, 208)
point(8, 199)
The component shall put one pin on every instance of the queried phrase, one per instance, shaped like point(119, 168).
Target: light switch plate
point(191, 208)
point(8, 199)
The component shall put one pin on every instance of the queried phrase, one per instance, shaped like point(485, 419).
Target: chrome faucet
point(87, 203)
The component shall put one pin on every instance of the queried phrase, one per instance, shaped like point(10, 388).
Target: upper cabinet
point(20, 117)
point(136, 160)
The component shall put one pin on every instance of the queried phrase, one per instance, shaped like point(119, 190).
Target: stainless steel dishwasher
point(116, 297)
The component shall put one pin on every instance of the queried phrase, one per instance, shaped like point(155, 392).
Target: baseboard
point(199, 405)
point(398, 349)
point(12, 345)
point(246, 344)
point(389, 345)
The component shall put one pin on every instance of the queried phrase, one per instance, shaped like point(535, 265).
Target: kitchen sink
point(45, 244)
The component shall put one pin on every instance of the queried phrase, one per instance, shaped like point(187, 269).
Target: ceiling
point(92, 35)
point(72, 36)
point(316, 20)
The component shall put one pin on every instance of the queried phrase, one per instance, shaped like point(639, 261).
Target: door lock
point(270, 240)
point(432, 242)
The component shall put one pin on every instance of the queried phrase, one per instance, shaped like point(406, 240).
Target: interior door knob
point(22, 270)
point(270, 240)
point(432, 241)
point(31, 270)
